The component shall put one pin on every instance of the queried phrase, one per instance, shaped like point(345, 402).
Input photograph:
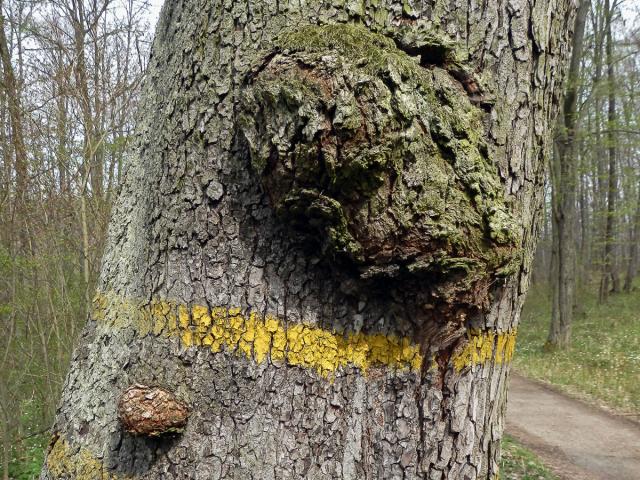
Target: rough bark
point(255, 272)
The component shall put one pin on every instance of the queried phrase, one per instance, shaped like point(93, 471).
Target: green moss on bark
point(377, 158)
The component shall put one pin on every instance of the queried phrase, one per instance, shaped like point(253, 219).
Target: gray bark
point(321, 344)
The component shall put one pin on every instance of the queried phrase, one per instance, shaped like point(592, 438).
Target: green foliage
point(27, 452)
point(42, 309)
point(27, 458)
point(603, 362)
point(518, 463)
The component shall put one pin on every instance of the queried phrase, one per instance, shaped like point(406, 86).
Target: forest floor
point(602, 365)
point(519, 463)
point(575, 440)
point(575, 409)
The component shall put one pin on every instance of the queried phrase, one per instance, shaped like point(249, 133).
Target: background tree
point(606, 156)
point(47, 269)
point(610, 271)
point(279, 264)
point(564, 175)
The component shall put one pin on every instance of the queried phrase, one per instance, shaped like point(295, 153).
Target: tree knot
point(378, 161)
point(151, 411)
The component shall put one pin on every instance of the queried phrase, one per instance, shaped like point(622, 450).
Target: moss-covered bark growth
point(378, 159)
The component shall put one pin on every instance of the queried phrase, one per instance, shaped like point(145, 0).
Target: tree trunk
point(634, 248)
point(317, 262)
point(10, 85)
point(609, 271)
point(599, 157)
point(565, 184)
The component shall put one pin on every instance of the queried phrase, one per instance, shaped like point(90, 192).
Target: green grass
point(27, 458)
point(518, 463)
point(603, 363)
point(27, 452)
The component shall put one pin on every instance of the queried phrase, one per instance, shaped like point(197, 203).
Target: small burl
point(151, 411)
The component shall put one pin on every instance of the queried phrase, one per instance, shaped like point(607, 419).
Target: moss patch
point(377, 159)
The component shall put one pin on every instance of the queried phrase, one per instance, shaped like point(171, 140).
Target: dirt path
point(575, 440)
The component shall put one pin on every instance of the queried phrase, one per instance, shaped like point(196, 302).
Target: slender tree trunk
point(599, 184)
point(634, 257)
point(610, 278)
point(565, 183)
point(86, 263)
point(317, 261)
point(62, 124)
point(555, 278)
point(6, 451)
point(630, 117)
point(585, 229)
point(10, 85)
point(17, 235)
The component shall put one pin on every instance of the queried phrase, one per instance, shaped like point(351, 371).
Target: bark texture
point(151, 411)
point(323, 245)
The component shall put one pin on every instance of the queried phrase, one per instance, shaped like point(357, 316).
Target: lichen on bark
point(65, 461)
point(379, 159)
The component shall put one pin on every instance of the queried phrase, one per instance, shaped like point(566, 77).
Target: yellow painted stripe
point(485, 346)
point(264, 338)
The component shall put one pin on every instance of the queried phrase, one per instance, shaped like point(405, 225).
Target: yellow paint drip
point(65, 461)
point(483, 347)
point(268, 339)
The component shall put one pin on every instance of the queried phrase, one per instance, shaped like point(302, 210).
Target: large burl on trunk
point(318, 258)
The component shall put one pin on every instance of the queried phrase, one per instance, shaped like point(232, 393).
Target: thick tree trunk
point(322, 250)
